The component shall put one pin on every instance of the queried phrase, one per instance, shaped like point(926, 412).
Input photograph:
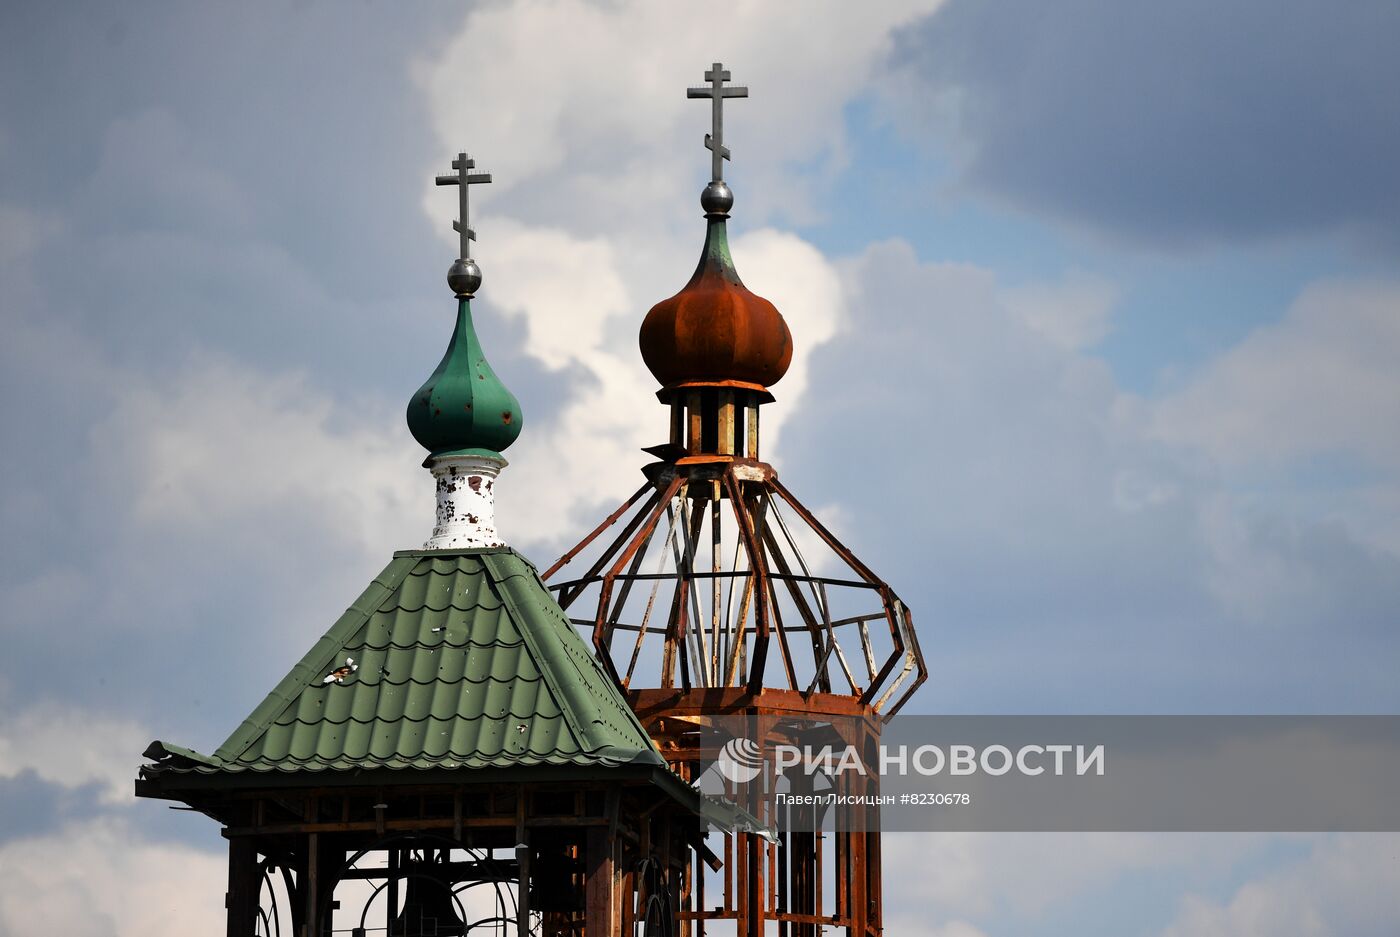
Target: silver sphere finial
point(717, 198)
point(464, 276)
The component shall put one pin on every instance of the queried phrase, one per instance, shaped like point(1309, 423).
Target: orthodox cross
point(464, 179)
point(714, 140)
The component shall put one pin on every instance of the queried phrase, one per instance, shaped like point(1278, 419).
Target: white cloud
point(596, 161)
point(72, 747)
point(1321, 381)
point(583, 103)
point(101, 879)
point(1033, 876)
point(1349, 886)
point(207, 454)
point(1073, 313)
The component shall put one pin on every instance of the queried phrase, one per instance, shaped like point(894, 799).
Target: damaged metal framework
point(714, 592)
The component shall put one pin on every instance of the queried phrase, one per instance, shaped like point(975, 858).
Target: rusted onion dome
point(715, 329)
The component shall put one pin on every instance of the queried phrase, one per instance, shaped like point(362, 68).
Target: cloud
point(221, 446)
point(1171, 124)
point(102, 878)
point(1320, 382)
point(1073, 313)
point(1019, 883)
point(72, 747)
point(597, 133)
point(1346, 886)
point(1040, 506)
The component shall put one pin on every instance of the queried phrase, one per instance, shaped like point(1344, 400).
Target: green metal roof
point(464, 660)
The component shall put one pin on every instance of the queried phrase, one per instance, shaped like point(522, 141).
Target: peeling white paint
point(466, 502)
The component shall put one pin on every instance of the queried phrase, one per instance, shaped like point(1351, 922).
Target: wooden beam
point(726, 422)
point(600, 892)
point(241, 900)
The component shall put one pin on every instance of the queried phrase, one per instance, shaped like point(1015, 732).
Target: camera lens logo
point(740, 760)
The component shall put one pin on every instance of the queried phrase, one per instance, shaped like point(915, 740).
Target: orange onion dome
point(715, 330)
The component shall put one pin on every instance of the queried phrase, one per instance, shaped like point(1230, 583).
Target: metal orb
point(717, 198)
point(464, 276)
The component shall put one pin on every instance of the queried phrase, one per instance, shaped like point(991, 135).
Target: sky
point(1096, 318)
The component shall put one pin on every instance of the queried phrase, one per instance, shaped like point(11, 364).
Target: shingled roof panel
point(460, 659)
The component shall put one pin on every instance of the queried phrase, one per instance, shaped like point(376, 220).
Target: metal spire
point(714, 140)
point(465, 276)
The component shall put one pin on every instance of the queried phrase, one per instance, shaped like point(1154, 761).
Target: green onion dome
point(463, 408)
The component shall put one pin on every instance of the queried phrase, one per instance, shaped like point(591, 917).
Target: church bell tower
point(713, 594)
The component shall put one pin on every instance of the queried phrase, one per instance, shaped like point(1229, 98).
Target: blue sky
point(1097, 325)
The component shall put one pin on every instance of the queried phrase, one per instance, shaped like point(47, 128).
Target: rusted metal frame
point(671, 643)
point(620, 605)
point(762, 606)
point(685, 567)
point(724, 574)
point(602, 637)
point(716, 557)
point(685, 896)
point(782, 900)
point(900, 649)
point(740, 633)
point(651, 602)
point(739, 636)
point(819, 920)
point(659, 703)
point(844, 866)
point(875, 897)
point(813, 626)
point(863, 624)
point(910, 652)
point(758, 521)
point(730, 626)
point(710, 859)
point(740, 878)
point(784, 649)
point(771, 864)
point(591, 576)
point(744, 510)
point(836, 645)
point(674, 648)
point(919, 661)
point(823, 604)
point(753, 885)
point(826, 536)
point(607, 522)
point(411, 825)
point(857, 898)
point(732, 895)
